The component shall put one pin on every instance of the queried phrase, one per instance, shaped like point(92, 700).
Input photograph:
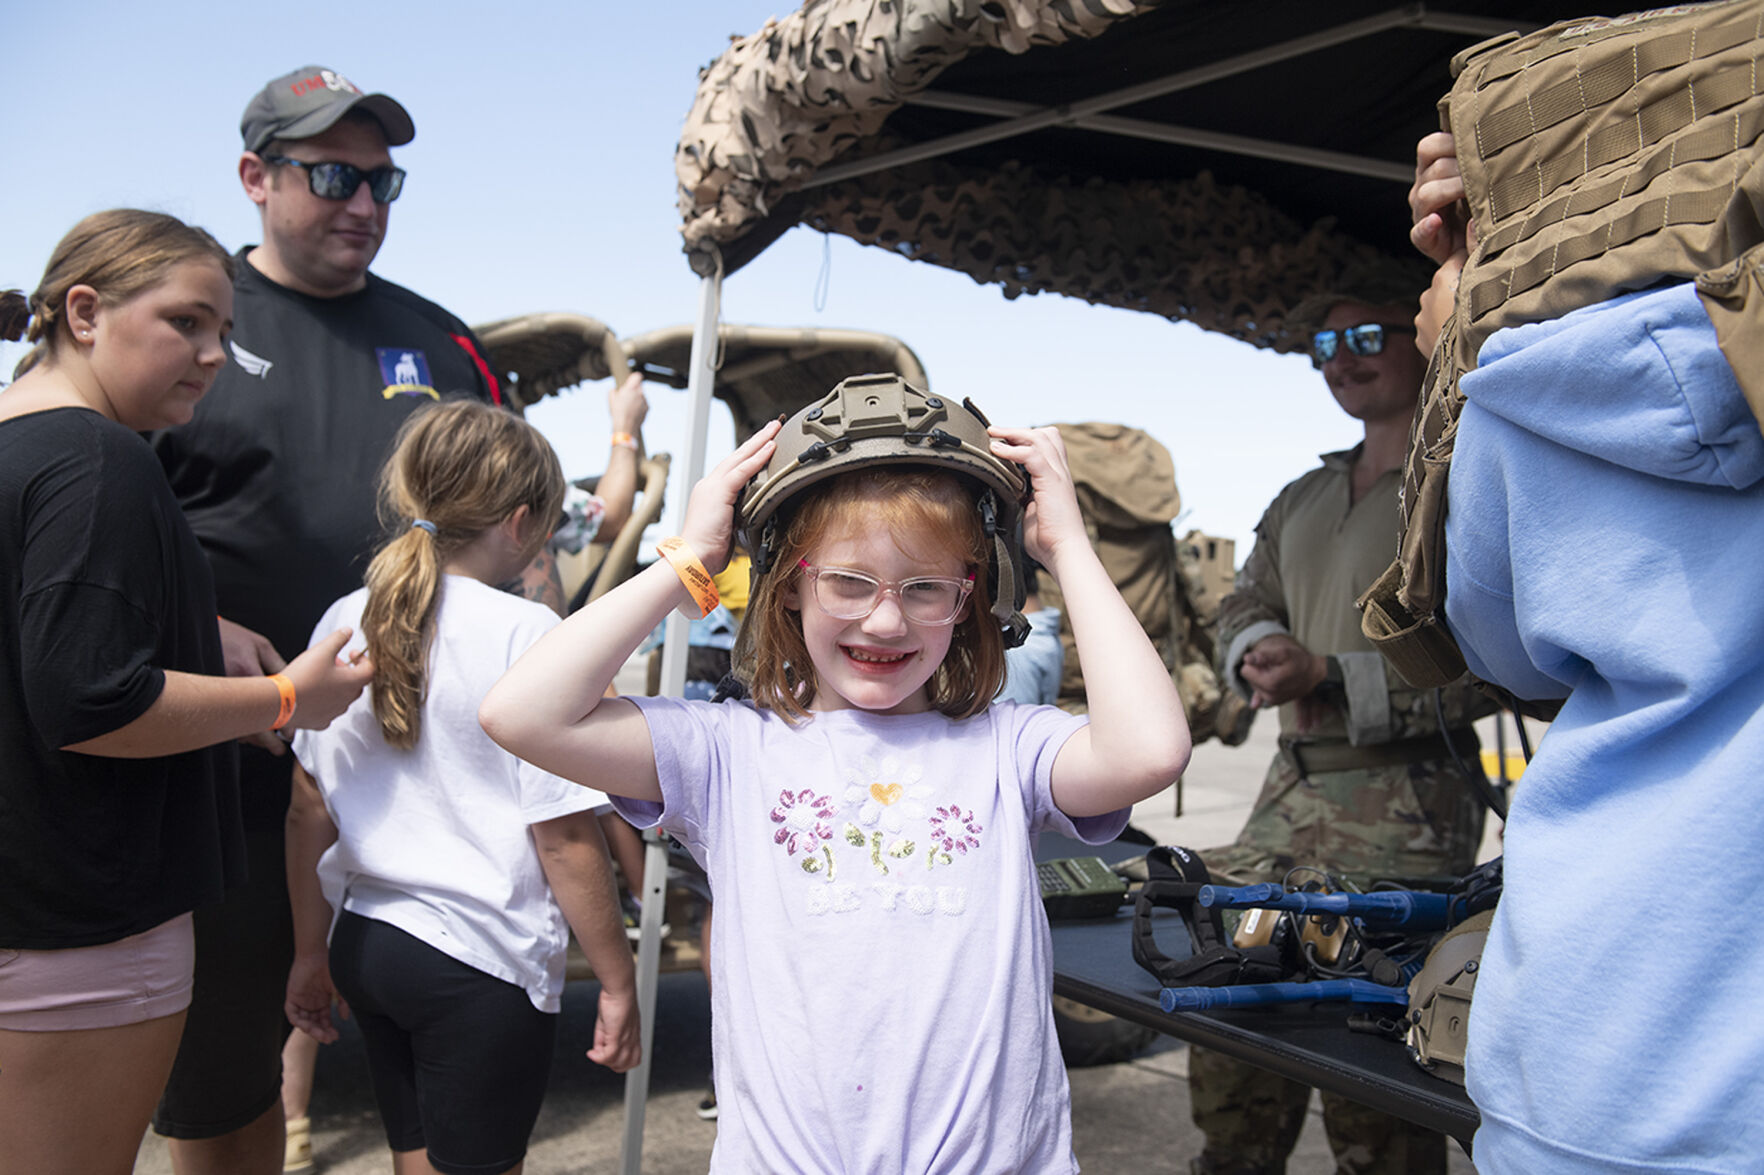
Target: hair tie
point(424, 524)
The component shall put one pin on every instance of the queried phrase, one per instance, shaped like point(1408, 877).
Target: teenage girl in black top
point(119, 813)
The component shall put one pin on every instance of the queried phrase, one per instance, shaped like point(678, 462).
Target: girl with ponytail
point(446, 873)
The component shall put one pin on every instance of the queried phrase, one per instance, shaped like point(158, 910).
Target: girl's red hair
point(929, 514)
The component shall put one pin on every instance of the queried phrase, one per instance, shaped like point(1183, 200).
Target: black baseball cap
point(309, 101)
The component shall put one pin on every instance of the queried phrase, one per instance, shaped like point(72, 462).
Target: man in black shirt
point(276, 474)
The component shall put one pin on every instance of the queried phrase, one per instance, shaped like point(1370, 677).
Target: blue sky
point(541, 178)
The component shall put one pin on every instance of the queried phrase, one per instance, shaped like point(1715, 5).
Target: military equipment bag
point(1126, 486)
point(1599, 156)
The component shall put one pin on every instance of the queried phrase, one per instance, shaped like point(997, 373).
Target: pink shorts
point(139, 978)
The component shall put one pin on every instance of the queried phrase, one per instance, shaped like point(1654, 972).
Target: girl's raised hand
point(1052, 516)
point(709, 527)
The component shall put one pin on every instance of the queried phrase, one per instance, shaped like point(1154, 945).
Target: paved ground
point(1127, 1118)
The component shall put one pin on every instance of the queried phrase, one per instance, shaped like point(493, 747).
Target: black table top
point(1310, 1042)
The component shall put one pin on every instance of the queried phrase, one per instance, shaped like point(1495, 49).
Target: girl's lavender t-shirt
point(882, 972)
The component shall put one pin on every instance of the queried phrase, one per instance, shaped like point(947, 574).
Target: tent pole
point(673, 683)
point(700, 380)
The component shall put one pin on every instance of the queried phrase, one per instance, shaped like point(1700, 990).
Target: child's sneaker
point(707, 1109)
point(297, 1152)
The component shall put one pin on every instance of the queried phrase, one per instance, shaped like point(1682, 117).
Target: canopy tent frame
point(1021, 118)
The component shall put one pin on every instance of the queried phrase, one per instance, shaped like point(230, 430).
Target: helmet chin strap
point(766, 549)
point(1008, 614)
point(1007, 584)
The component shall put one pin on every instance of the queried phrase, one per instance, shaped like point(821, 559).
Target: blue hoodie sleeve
point(1602, 463)
point(1639, 381)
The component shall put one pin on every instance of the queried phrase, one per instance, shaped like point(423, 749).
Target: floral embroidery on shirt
point(804, 824)
point(899, 848)
point(952, 831)
point(887, 795)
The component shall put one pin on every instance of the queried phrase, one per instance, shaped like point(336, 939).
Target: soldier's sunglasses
point(338, 181)
point(1365, 339)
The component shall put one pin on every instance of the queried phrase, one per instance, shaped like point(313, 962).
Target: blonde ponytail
point(403, 585)
point(457, 469)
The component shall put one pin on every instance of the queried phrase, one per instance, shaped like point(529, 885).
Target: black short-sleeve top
point(105, 589)
point(277, 469)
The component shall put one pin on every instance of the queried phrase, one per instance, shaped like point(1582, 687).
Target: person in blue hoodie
point(1603, 540)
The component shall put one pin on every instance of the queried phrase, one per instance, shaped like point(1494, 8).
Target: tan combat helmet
point(872, 420)
point(1439, 998)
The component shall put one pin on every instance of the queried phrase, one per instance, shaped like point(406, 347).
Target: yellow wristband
point(691, 572)
point(284, 687)
point(624, 440)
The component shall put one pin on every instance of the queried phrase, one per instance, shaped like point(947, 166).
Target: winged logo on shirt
point(250, 364)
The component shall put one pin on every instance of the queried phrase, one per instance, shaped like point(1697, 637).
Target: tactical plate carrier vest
point(1599, 156)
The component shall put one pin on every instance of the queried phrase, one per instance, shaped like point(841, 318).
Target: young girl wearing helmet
point(881, 996)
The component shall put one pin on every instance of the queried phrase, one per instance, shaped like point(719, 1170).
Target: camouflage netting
point(1223, 258)
point(816, 87)
point(780, 104)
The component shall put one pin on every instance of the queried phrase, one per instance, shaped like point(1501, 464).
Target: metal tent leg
point(673, 682)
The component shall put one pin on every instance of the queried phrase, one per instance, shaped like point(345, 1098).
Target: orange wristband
point(691, 572)
point(284, 687)
point(624, 440)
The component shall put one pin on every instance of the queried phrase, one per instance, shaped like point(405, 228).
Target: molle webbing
point(1599, 157)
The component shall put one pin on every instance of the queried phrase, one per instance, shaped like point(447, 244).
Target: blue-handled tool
point(1359, 991)
point(1407, 909)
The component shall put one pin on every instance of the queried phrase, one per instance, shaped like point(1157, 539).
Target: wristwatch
point(1333, 687)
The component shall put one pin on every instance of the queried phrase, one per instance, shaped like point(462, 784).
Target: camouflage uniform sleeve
point(1379, 706)
point(1256, 607)
point(1412, 712)
point(1366, 686)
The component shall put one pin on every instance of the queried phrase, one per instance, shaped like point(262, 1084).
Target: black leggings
point(459, 1058)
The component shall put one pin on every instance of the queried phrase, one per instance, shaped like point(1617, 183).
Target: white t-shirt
point(881, 999)
point(435, 840)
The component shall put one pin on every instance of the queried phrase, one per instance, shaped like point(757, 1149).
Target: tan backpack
point(1126, 485)
point(1599, 156)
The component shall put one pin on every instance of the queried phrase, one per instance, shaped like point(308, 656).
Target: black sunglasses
point(338, 181)
point(1365, 339)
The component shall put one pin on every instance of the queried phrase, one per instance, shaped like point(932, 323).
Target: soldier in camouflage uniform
point(1364, 784)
